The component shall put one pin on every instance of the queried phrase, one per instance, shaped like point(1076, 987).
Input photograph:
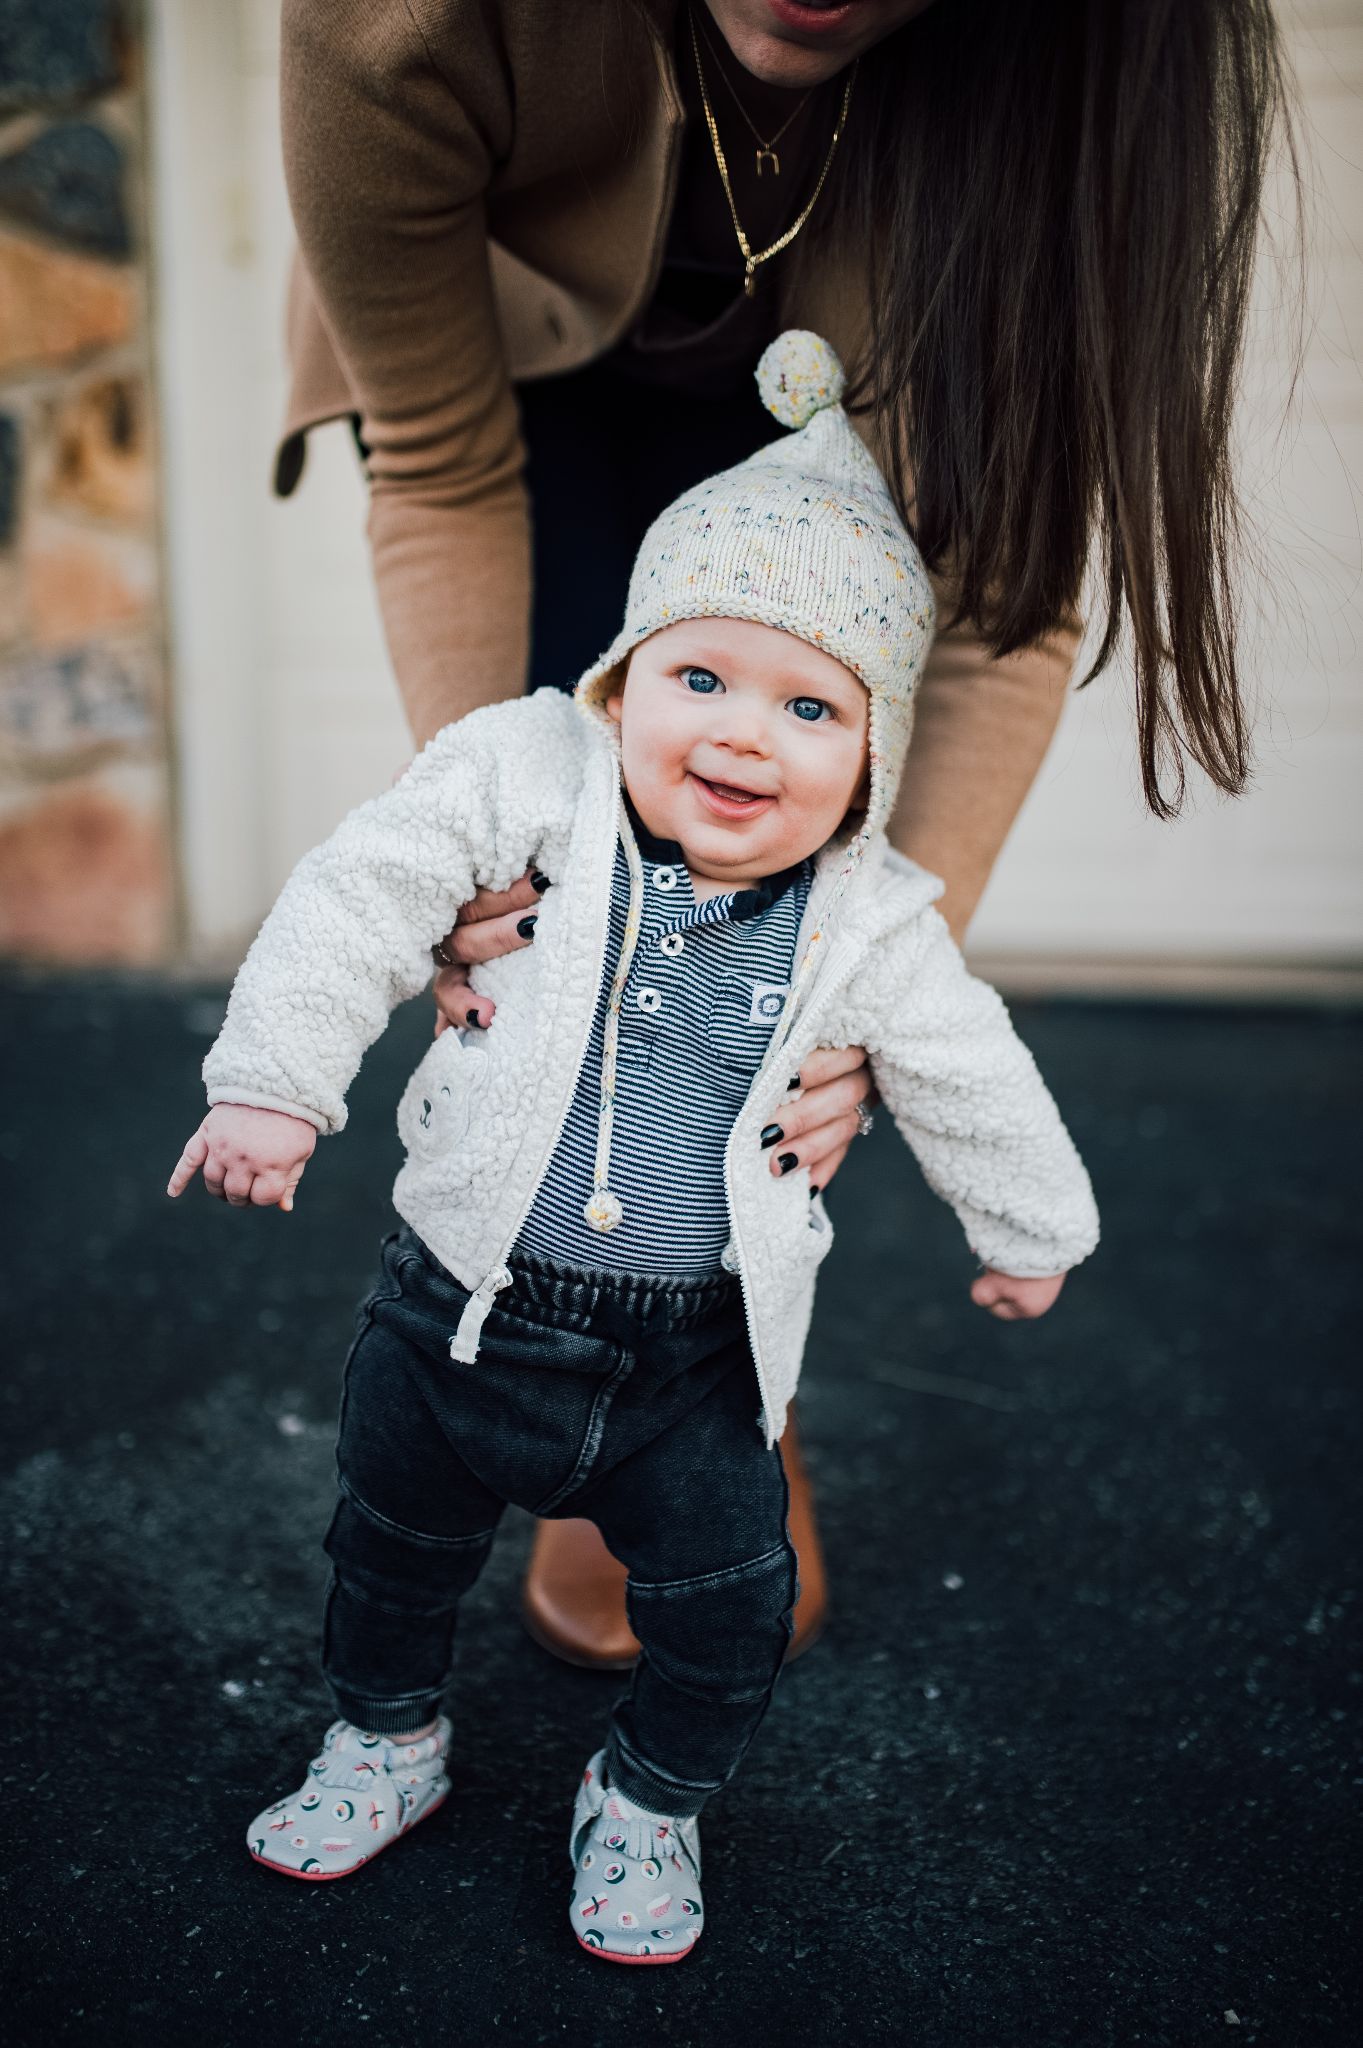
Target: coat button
point(649, 1001)
point(664, 879)
point(671, 943)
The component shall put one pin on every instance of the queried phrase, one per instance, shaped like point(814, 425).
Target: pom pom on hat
point(799, 375)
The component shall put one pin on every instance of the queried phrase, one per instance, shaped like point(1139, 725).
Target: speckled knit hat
point(804, 536)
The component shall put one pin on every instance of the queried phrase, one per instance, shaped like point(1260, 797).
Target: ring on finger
point(440, 956)
point(865, 1121)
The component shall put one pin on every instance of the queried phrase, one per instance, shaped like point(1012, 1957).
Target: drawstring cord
point(464, 1342)
point(603, 1210)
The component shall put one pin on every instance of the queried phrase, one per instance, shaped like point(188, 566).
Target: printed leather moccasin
point(359, 1796)
point(636, 1877)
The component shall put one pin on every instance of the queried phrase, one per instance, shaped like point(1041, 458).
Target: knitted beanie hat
point(803, 536)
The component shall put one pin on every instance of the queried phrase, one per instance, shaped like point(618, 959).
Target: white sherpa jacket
point(536, 783)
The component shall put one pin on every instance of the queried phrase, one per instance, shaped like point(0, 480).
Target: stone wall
point(85, 834)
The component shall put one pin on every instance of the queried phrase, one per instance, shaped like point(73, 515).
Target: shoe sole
point(606, 1955)
point(329, 1876)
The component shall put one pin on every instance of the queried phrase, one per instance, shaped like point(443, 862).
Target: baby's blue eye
point(702, 680)
point(811, 709)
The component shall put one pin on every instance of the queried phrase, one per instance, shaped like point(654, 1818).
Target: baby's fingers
point(191, 1159)
point(284, 1199)
point(994, 1292)
point(1015, 1299)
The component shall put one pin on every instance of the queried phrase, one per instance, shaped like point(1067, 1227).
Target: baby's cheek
point(659, 746)
point(817, 802)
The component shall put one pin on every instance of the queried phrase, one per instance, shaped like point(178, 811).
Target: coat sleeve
point(968, 1100)
point(350, 936)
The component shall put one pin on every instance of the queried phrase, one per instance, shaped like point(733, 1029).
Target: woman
point(541, 249)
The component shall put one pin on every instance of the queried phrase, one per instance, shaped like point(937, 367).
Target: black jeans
point(631, 1401)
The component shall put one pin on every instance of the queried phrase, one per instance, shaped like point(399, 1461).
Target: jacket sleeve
point(388, 168)
point(968, 1100)
point(350, 936)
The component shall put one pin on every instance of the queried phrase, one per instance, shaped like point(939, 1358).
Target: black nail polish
point(471, 1017)
point(772, 1135)
point(786, 1161)
point(539, 883)
point(794, 1082)
point(526, 927)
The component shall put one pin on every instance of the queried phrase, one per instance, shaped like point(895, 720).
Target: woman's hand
point(1013, 1300)
point(816, 1129)
point(252, 1158)
point(492, 923)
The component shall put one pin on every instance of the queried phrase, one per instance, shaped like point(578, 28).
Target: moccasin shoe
point(359, 1796)
point(636, 1877)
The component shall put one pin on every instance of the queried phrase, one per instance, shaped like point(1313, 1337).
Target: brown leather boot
point(574, 1596)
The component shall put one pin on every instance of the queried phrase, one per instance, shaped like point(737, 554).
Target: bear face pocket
point(437, 1103)
point(741, 1019)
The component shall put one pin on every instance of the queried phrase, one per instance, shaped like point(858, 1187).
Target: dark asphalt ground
point(1077, 1761)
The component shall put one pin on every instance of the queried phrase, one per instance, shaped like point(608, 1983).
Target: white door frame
point(204, 285)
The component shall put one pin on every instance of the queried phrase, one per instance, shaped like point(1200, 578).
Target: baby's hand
point(1013, 1300)
point(250, 1157)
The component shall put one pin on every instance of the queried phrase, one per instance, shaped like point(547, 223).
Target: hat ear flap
point(601, 684)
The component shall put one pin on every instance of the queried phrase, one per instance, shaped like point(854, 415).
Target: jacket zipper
point(830, 989)
point(780, 1041)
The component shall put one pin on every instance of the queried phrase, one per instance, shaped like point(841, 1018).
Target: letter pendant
point(772, 158)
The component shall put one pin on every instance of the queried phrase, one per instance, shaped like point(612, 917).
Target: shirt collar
point(749, 901)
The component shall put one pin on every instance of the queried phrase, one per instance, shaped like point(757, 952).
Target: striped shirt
point(706, 986)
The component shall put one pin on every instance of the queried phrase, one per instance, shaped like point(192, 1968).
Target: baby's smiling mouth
point(728, 799)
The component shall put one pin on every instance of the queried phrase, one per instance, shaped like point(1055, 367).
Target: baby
point(599, 1300)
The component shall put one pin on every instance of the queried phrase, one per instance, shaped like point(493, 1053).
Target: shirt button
point(671, 943)
point(649, 1001)
point(664, 878)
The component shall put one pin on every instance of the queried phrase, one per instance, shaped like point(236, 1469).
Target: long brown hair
point(1060, 199)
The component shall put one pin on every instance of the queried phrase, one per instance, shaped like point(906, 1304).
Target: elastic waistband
point(678, 1301)
point(573, 1297)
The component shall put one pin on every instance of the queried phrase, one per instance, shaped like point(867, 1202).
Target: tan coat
point(481, 190)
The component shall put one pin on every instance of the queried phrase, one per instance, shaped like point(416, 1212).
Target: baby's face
point(742, 743)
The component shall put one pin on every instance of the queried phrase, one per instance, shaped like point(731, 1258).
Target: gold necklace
point(766, 145)
point(752, 257)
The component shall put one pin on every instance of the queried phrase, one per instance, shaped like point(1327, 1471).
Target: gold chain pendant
point(752, 257)
point(766, 145)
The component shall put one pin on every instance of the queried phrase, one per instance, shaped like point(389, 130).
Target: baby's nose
point(746, 732)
